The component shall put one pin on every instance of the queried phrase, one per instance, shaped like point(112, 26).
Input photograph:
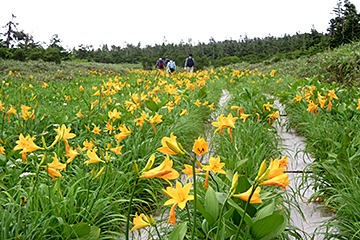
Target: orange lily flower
point(244, 116)
point(12, 110)
point(163, 171)
point(189, 171)
point(155, 119)
point(200, 146)
point(171, 146)
point(124, 132)
point(255, 198)
point(142, 221)
point(54, 167)
point(215, 167)
point(93, 158)
point(117, 149)
point(26, 144)
point(179, 197)
point(79, 114)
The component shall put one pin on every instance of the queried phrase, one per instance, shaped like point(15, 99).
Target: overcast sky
point(153, 22)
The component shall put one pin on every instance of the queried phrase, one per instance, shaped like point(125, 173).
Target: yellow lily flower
point(215, 167)
point(267, 106)
point(255, 197)
point(163, 171)
point(26, 145)
point(155, 119)
point(71, 154)
point(124, 132)
point(170, 146)
point(179, 197)
point(279, 180)
point(189, 171)
point(93, 158)
point(183, 112)
point(200, 146)
point(54, 167)
point(141, 221)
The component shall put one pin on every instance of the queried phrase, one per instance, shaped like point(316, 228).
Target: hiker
point(189, 64)
point(166, 60)
point(171, 66)
point(160, 64)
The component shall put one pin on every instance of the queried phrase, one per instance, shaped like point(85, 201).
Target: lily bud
point(136, 168)
point(261, 170)
point(149, 163)
point(174, 148)
point(43, 141)
point(234, 183)
point(92, 173)
point(199, 164)
point(102, 154)
point(152, 221)
point(99, 173)
point(264, 176)
point(43, 159)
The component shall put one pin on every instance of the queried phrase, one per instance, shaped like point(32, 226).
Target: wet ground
point(309, 216)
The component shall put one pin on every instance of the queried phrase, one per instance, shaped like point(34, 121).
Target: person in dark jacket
point(167, 60)
point(160, 64)
point(189, 64)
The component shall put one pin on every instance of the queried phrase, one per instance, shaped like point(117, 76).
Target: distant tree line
point(344, 28)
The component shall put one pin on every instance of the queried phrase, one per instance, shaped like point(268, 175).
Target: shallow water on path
point(294, 147)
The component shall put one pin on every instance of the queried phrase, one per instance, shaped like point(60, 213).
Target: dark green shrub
point(52, 55)
point(19, 54)
point(3, 53)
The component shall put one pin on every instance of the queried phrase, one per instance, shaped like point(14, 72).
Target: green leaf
point(240, 163)
point(266, 226)
point(94, 232)
point(265, 211)
point(150, 104)
point(203, 212)
point(247, 218)
point(80, 229)
point(211, 205)
point(179, 232)
point(205, 227)
point(279, 229)
point(2, 160)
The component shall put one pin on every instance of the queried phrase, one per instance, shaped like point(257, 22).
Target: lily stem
point(158, 233)
point(246, 205)
point(195, 200)
point(129, 210)
point(220, 215)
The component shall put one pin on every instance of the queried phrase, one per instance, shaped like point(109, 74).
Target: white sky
point(149, 21)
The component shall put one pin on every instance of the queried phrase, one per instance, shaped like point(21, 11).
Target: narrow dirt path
point(298, 190)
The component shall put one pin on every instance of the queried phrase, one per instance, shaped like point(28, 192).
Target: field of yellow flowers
point(106, 154)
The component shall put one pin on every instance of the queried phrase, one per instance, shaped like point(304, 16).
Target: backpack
point(190, 62)
point(172, 65)
point(161, 64)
